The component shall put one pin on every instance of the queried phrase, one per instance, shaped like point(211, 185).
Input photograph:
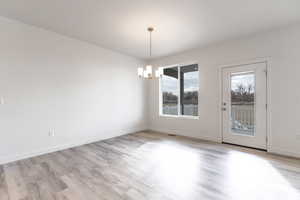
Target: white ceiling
point(180, 24)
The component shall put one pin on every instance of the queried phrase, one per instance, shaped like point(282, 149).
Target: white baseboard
point(284, 152)
point(13, 158)
point(183, 133)
point(278, 151)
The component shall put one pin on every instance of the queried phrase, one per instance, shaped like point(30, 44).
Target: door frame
point(267, 61)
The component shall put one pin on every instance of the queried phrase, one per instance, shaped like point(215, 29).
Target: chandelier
point(147, 71)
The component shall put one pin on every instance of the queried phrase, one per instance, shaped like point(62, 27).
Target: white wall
point(86, 93)
point(48, 81)
point(283, 47)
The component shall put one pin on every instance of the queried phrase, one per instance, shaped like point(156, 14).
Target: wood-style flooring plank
point(152, 166)
point(3, 185)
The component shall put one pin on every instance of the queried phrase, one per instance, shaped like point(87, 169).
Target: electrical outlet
point(1, 101)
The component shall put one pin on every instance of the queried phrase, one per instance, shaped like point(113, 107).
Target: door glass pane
point(169, 87)
point(243, 103)
point(189, 87)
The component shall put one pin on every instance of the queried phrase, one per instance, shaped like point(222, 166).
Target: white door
point(244, 105)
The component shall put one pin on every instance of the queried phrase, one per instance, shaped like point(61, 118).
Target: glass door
point(244, 105)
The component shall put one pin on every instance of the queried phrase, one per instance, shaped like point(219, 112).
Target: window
point(243, 103)
point(179, 90)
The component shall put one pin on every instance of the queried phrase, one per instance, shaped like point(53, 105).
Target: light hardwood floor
point(152, 166)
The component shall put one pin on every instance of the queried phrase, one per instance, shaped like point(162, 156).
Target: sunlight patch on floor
point(251, 177)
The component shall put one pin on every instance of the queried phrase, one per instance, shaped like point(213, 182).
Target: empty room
point(149, 100)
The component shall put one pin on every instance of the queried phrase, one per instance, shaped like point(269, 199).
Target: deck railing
point(242, 116)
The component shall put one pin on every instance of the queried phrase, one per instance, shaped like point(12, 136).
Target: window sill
point(180, 117)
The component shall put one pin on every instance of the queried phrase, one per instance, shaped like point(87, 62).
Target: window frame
point(179, 115)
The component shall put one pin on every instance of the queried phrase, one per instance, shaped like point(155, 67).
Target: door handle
point(223, 109)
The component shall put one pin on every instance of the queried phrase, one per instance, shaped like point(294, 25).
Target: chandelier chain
point(150, 29)
point(150, 43)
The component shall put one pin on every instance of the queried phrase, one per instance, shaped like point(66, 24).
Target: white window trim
point(178, 104)
point(180, 116)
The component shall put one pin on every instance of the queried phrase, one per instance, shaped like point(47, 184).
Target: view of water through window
point(180, 88)
point(169, 87)
point(189, 90)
